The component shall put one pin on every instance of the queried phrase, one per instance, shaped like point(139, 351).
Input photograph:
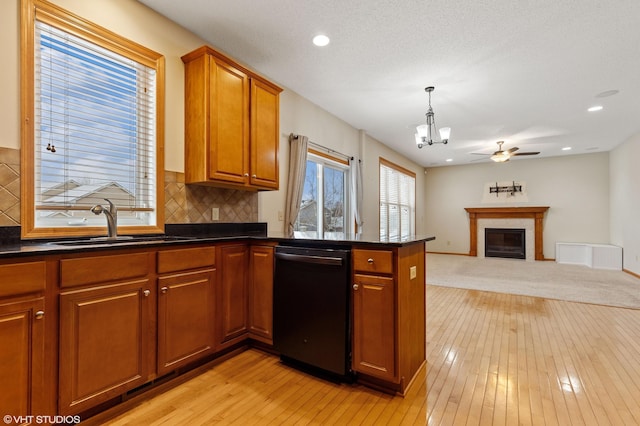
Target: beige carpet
point(540, 279)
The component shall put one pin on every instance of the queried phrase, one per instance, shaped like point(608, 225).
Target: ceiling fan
point(501, 156)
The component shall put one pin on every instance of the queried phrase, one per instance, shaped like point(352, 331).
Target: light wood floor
point(499, 359)
point(254, 388)
point(493, 359)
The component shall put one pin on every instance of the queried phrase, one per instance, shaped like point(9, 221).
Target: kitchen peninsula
point(172, 305)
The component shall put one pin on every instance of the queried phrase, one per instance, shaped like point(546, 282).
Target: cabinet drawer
point(379, 261)
point(97, 269)
point(22, 278)
point(182, 259)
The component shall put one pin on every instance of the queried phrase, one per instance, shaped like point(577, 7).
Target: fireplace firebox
point(507, 243)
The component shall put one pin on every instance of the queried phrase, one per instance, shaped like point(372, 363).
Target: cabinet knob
point(369, 260)
point(355, 286)
point(246, 175)
point(164, 289)
point(146, 293)
point(254, 176)
point(39, 314)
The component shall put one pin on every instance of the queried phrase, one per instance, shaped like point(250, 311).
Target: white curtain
point(355, 189)
point(295, 184)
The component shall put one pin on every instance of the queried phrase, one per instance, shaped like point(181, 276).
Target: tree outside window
point(324, 200)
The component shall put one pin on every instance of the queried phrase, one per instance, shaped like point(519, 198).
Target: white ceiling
point(520, 71)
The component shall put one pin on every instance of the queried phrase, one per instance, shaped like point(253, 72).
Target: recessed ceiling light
point(448, 160)
point(595, 108)
point(566, 148)
point(321, 40)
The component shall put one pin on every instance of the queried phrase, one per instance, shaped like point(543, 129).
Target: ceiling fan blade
point(512, 150)
point(527, 153)
point(478, 153)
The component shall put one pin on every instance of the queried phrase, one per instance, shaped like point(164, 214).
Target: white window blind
point(397, 203)
point(94, 132)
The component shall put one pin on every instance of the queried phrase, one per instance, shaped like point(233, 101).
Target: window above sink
point(94, 102)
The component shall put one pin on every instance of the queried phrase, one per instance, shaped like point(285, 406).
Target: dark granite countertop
point(350, 240)
point(185, 234)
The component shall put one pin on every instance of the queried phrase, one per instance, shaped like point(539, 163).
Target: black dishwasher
point(311, 321)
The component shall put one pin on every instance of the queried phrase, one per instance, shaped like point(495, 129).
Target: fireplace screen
point(508, 243)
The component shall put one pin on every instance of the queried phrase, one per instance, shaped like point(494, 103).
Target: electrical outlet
point(280, 215)
point(413, 272)
point(215, 213)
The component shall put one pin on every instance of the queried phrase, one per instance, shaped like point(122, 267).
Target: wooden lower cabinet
point(231, 294)
point(185, 318)
point(261, 293)
point(389, 316)
point(107, 341)
point(374, 326)
point(22, 330)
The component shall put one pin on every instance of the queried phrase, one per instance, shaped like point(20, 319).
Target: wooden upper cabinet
point(264, 134)
point(231, 123)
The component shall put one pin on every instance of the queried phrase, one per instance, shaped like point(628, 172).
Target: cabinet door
point(261, 294)
point(185, 318)
point(106, 336)
point(232, 294)
point(22, 358)
point(374, 326)
point(229, 124)
point(265, 122)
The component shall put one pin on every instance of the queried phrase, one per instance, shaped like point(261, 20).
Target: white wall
point(625, 201)
point(10, 74)
point(576, 188)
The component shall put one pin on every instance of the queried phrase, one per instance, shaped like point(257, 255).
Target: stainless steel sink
point(104, 241)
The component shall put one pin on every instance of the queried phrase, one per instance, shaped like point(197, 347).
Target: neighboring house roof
point(60, 188)
point(74, 193)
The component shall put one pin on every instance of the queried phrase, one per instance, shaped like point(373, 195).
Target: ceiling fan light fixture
point(501, 157)
point(425, 131)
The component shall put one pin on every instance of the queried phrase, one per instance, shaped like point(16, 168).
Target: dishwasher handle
point(318, 260)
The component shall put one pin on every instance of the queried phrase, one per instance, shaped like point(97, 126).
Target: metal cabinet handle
point(39, 314)
point(355, 286)
point(164, 289)
point(146, 293)
point(369, 260)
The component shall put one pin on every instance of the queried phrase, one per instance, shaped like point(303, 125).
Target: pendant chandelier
point(425, 131)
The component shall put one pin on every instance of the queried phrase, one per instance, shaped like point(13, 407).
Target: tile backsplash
point(183, 203)
point(9, 187)
point(193, 203)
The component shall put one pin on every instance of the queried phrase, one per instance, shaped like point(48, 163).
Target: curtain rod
point(329, 150)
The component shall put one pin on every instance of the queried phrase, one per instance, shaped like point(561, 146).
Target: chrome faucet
point(112, 218)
